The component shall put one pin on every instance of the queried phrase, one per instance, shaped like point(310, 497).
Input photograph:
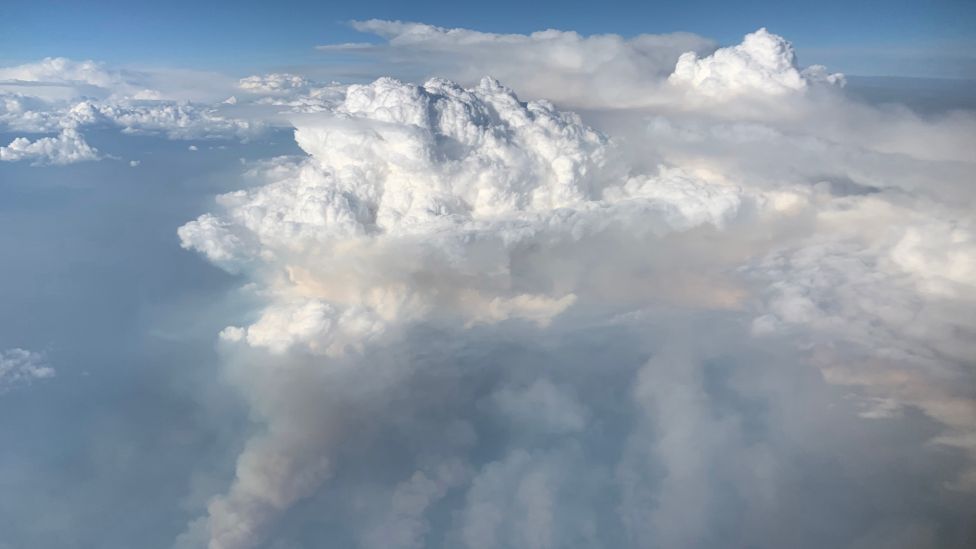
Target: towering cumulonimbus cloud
point(417, 202)
point(460, 177)
point(484, 323)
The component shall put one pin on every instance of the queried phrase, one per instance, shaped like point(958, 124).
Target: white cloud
point(22, 367)
point(683, 317)
point(422, 198)
point(763, 63)
point(274, 83)
point(470, 212)
point(65, 96)
point(59, 78)
point(882, 316)
point(63, 79)
point(67, 148)
point(606, 70)
point(174, 120)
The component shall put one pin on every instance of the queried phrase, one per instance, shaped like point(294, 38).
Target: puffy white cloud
point(440, 169)
point(67, 147)
point(696, 314)
point(178, 120)
point(174, 120)
point(563, 66)
point(763, 63)
point(599, 71)
point(482, 322)
point(65, 96)
point(297, 93)
point(20, 367)
point(417, 202)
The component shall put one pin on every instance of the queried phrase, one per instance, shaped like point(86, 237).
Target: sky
point(526, 275)
point(873, 37)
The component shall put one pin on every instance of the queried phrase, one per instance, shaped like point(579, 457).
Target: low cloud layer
point(56, 99)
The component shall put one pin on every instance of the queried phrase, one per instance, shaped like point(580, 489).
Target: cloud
point(297, 93)
point(723, 304)
point(423, 198)
point(434, 213)
point(62, 78)
point(562, 66)
point(22, 367)
point(92, 96)
point(881, 316)
point(68, 147)
point(763, 63)
point(59, 95)
point(274, 83)
point(173, 120)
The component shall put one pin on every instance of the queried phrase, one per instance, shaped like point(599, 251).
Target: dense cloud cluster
point(726, 304)
point(62, 97)
point(569, 337)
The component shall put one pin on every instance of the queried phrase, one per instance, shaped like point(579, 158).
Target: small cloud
point(192, 148)
point(134, 163)
point(21, 367)
point(68, 147)
point(348, 46)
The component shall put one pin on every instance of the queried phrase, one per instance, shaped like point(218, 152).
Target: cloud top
point(68, 147)
point(563, 66)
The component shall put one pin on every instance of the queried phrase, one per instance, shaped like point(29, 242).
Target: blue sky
point(873, 37)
